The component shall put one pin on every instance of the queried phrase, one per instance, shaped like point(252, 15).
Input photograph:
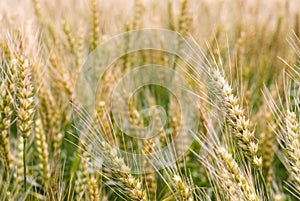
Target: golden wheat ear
point(285, 111)
point(6, 103)
point(43, 154)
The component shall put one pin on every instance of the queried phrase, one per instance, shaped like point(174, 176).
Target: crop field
point(147, 100)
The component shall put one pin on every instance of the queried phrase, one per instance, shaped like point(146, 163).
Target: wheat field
point(150, 100)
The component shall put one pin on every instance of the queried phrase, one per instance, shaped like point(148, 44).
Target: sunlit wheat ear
point(230, 177)
point(43, 154)
point(50, 117)
point(227, 178)
point(98, 148)
point(132, 185)
point(149, 177)
point(25, 113)
point(61, 76)
point(82, 175)
point(6, 102)
point(93, 189)
point(79, 55)
point(232, 167)
point(25, 108)
point(9, 188)
point(267, 144)
point(210, 69)
point(95, 29)
point(103, 122)
point(137, 15)
point(292, 146)
point(85, 182)
point(285, 113)
point(237, 119)
point(37, 8)
point(182, 188)
point(185, 19)
point(80, 186)
point(70, 38)
point(179, 185)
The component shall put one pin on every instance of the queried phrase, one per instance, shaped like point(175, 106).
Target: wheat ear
point(236, 174)
point(122, 173)
point(95, 32)
point(182, 188)
point(42, 149)
point(5, 119)
point(237, 119)
point(292, 144)
point(25, 108)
